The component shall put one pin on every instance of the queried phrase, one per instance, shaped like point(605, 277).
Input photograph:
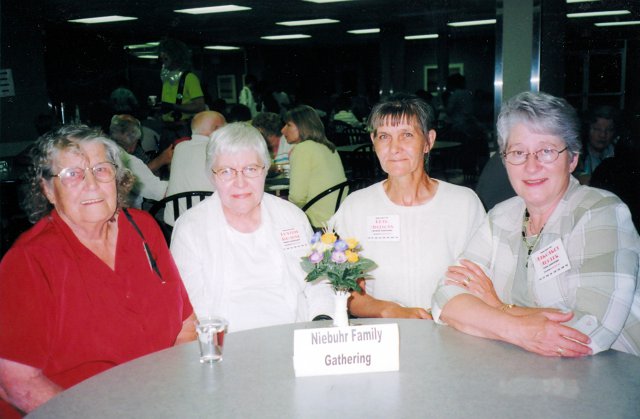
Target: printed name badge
point(290, 238)
point(550, 261)
point(383, 228)
point(346, 350)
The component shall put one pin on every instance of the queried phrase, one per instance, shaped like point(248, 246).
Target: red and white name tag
point(290, 238)
point(383, 228)
point(550, 261)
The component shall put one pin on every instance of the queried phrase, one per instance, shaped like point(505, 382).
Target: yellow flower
point(328, 238)
point(352, 243)
point(352, 257)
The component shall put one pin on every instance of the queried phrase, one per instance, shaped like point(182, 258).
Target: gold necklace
point(525, 226)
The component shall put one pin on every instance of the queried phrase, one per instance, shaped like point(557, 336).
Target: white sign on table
point(346, 350)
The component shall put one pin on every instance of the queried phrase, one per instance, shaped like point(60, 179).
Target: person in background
point(553, 270)
point(315, 163)
point(269, 124)
point(239, 250)
point(412, 225)
point(188, 166)
point(343, 112)
point(599, 142)
point(125, 130)
point(182, 95)
point(248, 95)
point(493, 184)
point(620, 174)
point(239, 113)
point(92, 285)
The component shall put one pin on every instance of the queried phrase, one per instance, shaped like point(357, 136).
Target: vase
point(340, 316)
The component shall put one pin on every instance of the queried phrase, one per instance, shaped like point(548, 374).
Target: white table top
point(443, 374)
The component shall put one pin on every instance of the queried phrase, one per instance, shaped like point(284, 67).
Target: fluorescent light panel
point(472, 23)
point(103, 19)
point(596, 14)
point(623, 23)
point(213, 9)
point(148, 56)
point(364, 31)
point(307, 22)
point(142, 46)
point(281, 37)
point(580, 1)
point(326, 1)
point(425, 36)
point(222, 47)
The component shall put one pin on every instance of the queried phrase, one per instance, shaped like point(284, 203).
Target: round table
point(443, 374)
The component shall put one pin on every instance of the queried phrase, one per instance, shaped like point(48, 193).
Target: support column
point(391, 59)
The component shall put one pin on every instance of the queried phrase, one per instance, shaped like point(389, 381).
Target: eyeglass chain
point(525, 226)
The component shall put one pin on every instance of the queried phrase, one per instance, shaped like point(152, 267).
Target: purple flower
point(316, 237)
point(315, 257)
point(338, 257)
point(341, 245)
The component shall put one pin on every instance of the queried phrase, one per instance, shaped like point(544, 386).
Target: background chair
point(173, 200)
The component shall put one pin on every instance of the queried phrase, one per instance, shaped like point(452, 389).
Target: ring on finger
point(560, 351)
point(466, 281)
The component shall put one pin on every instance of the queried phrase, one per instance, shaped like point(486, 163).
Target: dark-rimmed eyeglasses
point(103, 172)
point(229, 173)
point(546, 155)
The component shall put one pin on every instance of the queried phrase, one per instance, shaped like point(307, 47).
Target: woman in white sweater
point(413, 226)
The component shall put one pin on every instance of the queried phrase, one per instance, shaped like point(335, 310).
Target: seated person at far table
point(239, 250)
point(269, 124)
point(412, 225)
point(126, 131)
point(188, 171)
point(92, 285)
point(553, 270)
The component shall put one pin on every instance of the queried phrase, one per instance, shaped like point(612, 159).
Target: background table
point(443, 374)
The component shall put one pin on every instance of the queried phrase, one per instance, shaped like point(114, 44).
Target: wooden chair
point(174, 200)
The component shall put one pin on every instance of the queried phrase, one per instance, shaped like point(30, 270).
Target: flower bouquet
point(339, 261)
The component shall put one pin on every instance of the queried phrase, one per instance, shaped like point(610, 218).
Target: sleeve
point(27, 308)
point(300, 161)
point(151, 187)
point(166, 263)
point(192, 87)
point(186, 253)
point(604, 248)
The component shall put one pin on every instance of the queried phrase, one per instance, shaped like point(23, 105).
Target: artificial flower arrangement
point(338, 260)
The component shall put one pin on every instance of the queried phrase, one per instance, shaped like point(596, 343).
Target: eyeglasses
point(103, 172)
point(546, 155)
point(229, 173)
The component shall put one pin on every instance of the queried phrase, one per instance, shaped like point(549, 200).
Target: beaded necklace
point(525, 226)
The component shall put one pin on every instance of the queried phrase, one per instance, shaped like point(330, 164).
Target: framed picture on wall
point(227, 88)
point(431, 81)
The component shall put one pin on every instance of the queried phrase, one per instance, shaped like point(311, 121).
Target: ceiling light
point(364, 31)
point(103, 19)
point(142, 46)
point(594, 14)
point(280, 37)
point(148, 56)
point(580, 1)
point(623, 23)
point(213, 9)
point(307, 22)
point(425, 36)
point(222, 47)
point(326, 1)
point(472, 23)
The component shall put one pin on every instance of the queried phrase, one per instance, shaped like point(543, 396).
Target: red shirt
point(65, 312)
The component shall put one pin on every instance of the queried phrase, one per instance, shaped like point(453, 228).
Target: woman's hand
point(471, 277)
point(544, 334)
point(398, 312)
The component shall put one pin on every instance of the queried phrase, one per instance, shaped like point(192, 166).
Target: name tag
point(290, 238)
point(550, 261)
point(346, 350)
point(383, 228)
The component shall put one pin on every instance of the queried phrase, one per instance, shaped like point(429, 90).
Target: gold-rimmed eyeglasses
point(103, 172)
point(229, 173)
point(545, 155)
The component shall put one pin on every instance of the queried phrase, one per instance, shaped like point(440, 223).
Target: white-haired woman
point(553, 270)
point(239, 250)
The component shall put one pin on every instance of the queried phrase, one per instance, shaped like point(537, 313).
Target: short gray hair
point(399, 108)
point(125, 130)
point(542, 113)
point(234, 138)
point(46, 150)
